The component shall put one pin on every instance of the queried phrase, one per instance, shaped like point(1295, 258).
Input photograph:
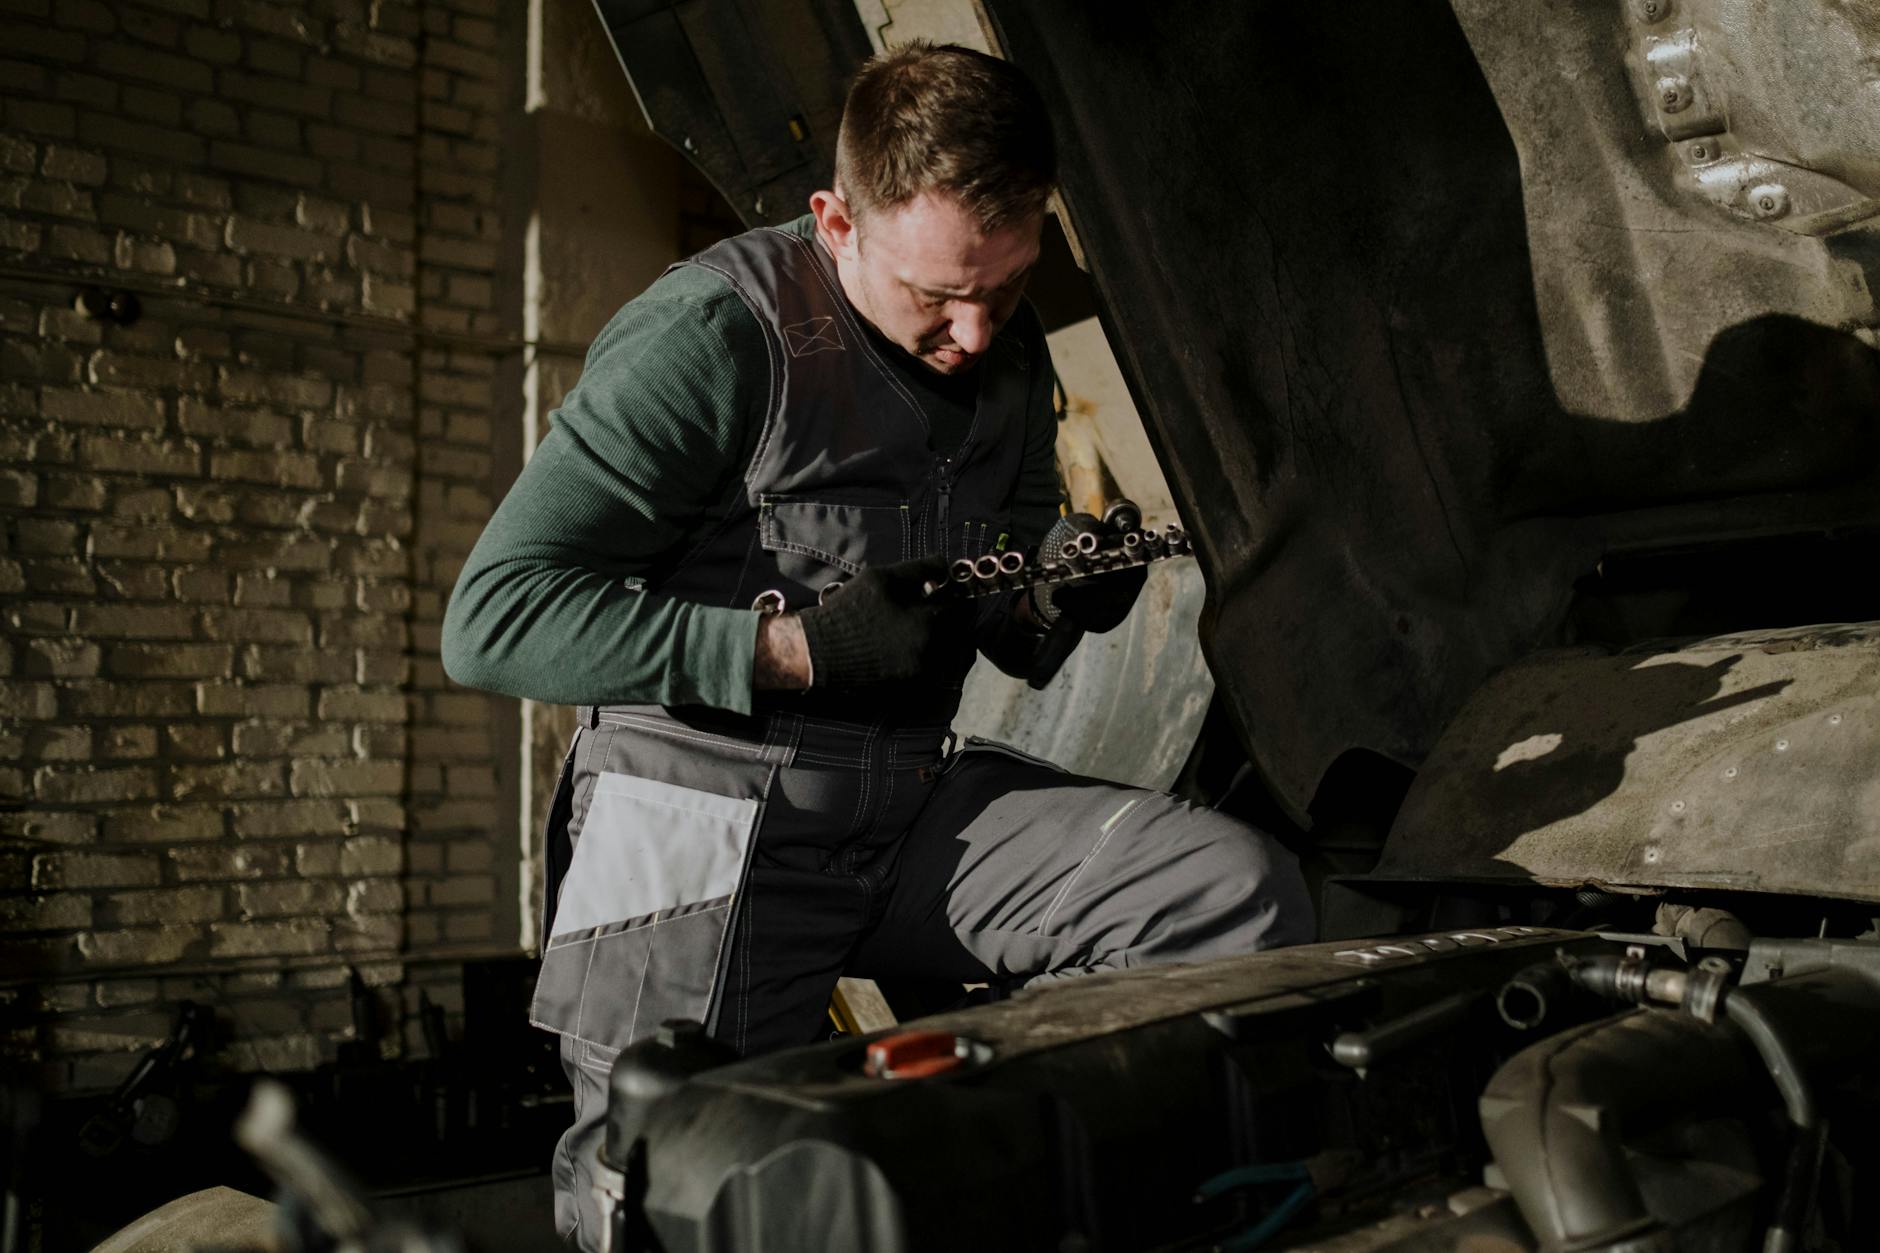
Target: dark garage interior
point(1485, 399)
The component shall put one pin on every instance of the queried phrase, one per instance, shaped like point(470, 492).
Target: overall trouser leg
point(835, 799)
point(1018, 871)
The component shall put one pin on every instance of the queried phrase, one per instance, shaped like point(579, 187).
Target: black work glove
point(1096, 604)
point(881, 627)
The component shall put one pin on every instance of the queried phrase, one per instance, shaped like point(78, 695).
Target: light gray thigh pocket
point(645, 910)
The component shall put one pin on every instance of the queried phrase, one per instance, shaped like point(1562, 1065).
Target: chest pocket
point(977, 536)
point(814, 541)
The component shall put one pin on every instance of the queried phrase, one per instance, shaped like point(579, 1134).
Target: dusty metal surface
point(1679, 159)
point(1409, 307)
point(1054, 1012)
point(1127, 705)
point(1745, 762)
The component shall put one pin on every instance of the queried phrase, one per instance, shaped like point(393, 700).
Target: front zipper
point(943, 487)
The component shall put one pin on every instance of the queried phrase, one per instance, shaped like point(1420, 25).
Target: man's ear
point(835, 225)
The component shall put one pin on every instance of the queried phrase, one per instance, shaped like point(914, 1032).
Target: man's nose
point(972, 328)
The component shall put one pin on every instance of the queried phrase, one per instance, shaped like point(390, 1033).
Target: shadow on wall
point(1779, 402)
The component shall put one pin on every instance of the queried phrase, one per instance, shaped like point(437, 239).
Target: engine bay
point(1511, 1087)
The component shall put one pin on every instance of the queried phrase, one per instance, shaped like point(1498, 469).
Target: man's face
point(927, 277)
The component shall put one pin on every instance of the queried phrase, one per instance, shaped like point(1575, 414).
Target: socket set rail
point(1083, 557)
point(1087, 555)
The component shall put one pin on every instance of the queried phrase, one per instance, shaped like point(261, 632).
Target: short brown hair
point(922, 117)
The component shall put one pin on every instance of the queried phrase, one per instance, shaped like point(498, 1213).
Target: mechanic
point(755, 804)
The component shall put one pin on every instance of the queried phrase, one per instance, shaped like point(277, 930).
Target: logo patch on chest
point(812, 335)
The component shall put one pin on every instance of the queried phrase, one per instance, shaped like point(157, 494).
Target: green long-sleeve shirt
point(652, 440)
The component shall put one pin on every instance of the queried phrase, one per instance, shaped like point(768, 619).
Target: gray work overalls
point(727, 868)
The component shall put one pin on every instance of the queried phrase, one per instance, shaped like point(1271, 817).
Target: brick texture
point(227, 746)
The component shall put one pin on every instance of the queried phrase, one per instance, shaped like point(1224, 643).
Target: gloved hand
point(1096, 604)
point(881, 627)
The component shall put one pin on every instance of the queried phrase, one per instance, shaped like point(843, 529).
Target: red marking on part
point(912, 1055)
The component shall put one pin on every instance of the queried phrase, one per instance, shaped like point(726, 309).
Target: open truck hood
point(1427, 311)
point(1427, 307)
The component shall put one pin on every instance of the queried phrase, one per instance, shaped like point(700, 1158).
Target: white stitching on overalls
point(580, 1009)
point(750, 937)
point(861, 798)
point(887, 796)
point(697, 737)
point(1110, 828)
point(639, 993)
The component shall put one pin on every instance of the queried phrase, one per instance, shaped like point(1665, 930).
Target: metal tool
point(1085, 557)
point(1127, 544)
point(322, 1209)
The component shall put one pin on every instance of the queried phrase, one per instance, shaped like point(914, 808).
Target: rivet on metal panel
point(1682, 100)
point(1787, 196)
point(1651, 10)
point(1834, 720)
point(1730, 772)
point(1782, 746)
point(1651, 853)
point(1677, 807)
point(1770, 200)
point(1702, 152)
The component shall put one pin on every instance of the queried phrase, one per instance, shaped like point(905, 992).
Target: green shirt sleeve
point(650, 442)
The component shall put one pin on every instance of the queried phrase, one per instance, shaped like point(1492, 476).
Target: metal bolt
point(1651, 10)
point(1770, 200)
point(1674, 94)
point(1699, 152)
